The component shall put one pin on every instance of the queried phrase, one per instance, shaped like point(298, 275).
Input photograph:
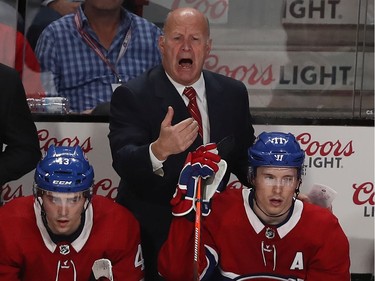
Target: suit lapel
point(168, 95)
point(214, 95)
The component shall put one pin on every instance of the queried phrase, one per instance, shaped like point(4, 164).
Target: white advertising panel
point(340, 157)
point(215, 10)
point(326, 12)
point(305, 70)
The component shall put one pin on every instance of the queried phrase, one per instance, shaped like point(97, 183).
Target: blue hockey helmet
point(64, 169)
point(276, 149)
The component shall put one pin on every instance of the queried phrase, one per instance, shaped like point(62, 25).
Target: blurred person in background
point(85, 55)
point(20, 151)
point(51, 10)
point(15, 50)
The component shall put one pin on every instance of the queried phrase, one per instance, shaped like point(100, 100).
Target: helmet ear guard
point(297, 191)
point(88, 193)
point(37, 192)
point(251, 176)
point(64, 169)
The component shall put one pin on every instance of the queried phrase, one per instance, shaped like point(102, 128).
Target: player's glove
point(205, 154)
point(211, 186)
point(203, 163)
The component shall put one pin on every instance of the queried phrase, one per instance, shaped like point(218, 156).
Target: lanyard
point(94, 46)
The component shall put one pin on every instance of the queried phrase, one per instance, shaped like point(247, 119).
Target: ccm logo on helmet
point(62, 182)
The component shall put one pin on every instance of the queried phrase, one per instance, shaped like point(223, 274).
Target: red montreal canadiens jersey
point(27, 252)
point(310, 246)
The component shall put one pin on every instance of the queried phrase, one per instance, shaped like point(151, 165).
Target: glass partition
point(15, 51)
point(298, 58)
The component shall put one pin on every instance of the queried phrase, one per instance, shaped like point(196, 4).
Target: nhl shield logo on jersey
point(270, 233)
point(64, 249)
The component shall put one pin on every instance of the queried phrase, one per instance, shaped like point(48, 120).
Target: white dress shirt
point(200, 88)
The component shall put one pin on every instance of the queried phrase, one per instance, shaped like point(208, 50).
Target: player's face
point(274, 191)
point(63, 211)
point(184, 46)
point(104, 5)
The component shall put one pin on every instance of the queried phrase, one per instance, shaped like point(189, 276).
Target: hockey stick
point(197, 228)
point(102, 268)
point(224, 148)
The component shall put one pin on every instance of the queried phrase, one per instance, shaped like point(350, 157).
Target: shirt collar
point(125, 18)
point(199, 86)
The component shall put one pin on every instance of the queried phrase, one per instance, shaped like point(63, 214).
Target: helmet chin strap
point(43, 213)
point(37, 197)
point(297, 188)
point(87, 204)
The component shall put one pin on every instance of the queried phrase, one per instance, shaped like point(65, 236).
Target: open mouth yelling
point(185, 63)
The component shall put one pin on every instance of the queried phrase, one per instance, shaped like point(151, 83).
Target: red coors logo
point(7, 193)
point(46, 141)
point(213, 10)
point(250, 75)
point(104, 187)
point(363, 193)
point(314, 147)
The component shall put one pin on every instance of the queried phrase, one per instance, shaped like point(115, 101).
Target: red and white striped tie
point(193, 107)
